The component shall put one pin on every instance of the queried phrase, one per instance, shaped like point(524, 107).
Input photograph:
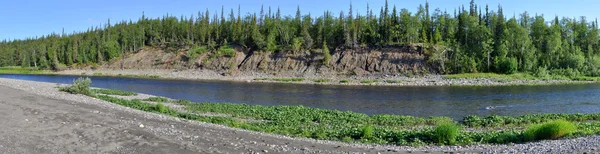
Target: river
point(451, 101)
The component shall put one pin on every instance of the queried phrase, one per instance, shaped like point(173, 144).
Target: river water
point(451, 101)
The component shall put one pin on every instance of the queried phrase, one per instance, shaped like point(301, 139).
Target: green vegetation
point(137, 76)
point(344, 81)
point(368, 81)
point(299, 121)
point(157, 99)
point(321, 80)
point(520, 76)
point(113, 92)
point(80, 86)
point(393, 81)
point(446, 134)
point(19, 70)
point(280, 79)
point(549, 130)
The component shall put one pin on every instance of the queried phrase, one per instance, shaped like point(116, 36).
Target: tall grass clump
point(80, 86)
point(549, 130)
point(162, 108)
point(446, 133)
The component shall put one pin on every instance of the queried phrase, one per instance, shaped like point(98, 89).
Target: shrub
point(549, 130)
point(326, 55)
point(507, 66)
point(80, 86)
point(161, 108)
point(446, 134)
point(226, 51)
point(367, 132)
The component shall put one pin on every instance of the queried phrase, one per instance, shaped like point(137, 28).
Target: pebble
point(141, 125)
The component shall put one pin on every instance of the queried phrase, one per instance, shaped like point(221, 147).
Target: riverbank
point(383, 80)
point(182, 133)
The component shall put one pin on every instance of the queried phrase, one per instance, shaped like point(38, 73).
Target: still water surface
point(455, 102)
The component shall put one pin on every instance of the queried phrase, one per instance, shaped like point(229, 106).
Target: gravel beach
point(429, 80)
point(37, 118)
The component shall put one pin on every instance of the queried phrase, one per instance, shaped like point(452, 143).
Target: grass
point(113, 92)
point(344, 81)
point(19, 70)
point(280, 79)
point(299, 121)
point(549, 130)
point(446, 134)
point(517, 76)
point(157, 99)
point(321, 80)
point(393, 81)
point(368, 81)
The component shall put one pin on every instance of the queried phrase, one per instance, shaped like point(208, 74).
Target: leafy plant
point(80, 86)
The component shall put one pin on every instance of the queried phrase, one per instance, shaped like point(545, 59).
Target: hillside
point(406, 60)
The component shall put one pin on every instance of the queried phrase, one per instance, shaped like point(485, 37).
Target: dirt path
point(37, 124)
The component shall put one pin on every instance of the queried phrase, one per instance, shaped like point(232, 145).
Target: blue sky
point(21, 19)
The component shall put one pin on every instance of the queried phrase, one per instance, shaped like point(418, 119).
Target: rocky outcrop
point(363, 61)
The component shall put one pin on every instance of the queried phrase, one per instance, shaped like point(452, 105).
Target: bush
point(162, 108)
point(80, 86)
point(549, 130)
point(507, 66)
point(446, 134)
point(367, 132)
point(226, 51)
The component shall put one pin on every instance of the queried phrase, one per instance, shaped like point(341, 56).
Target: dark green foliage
point(80, 86)
point(113, 92)
point(549, 130)
point(446, 134)
point(507, 66)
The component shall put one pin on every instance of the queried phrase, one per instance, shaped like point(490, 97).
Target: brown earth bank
point(398, 65)
point(389, 60)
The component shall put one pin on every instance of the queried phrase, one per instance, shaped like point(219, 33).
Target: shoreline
point(274, 143)
point(381, 80)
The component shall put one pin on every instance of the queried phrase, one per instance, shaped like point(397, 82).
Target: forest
point(466, 40)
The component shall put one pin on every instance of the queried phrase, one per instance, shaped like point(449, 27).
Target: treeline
point(473, 39)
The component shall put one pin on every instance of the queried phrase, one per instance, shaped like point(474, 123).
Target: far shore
point(372, 80)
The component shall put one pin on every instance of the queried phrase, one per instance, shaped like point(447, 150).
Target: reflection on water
point(455, 102)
